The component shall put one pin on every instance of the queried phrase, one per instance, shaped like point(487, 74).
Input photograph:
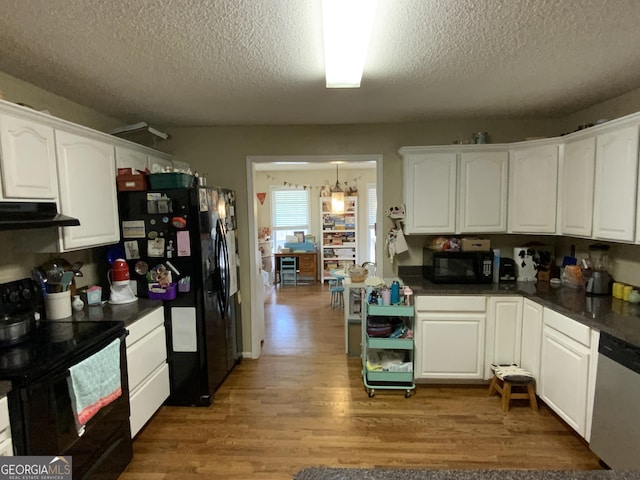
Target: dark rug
point(325, 473)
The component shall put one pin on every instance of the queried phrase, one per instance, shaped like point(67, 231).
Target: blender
point(599, 281)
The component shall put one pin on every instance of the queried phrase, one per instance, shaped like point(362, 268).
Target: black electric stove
point(37, 364)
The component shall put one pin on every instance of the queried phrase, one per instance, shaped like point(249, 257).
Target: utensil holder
point(58, 305)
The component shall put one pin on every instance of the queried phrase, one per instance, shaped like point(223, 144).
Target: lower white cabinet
point(503, 332)
point(567, 369)
point(147, 368)
point(531, 337)
point(6, 445)
point(449, 337)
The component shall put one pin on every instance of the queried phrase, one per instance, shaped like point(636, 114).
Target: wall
point(314, 180)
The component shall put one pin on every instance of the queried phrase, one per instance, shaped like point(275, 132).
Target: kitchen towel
point(94, 383)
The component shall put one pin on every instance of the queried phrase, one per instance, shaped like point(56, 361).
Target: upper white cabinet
point(483, 191)
point(576, 187)
point(453, 191)
point(533, 180)
point(615, 184)
point(87, 190)
point(430, 191)
point(28, 159)
point(130, 158)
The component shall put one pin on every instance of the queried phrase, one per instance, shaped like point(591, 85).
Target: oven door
point(42, 422)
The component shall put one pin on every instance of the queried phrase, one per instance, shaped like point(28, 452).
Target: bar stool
point(337, 294)
point(288, 271)
point(506, 378)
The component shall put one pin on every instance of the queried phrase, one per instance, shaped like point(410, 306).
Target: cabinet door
point(430, 192)
point(449, 345)
point(533, 178)
point(565, 377)
point(28, 159)
point(127, 158)
point(576, 187)
point(483, 192)
point(87, 190)
point(503, 333)
point(615, 185)
point(531, 337)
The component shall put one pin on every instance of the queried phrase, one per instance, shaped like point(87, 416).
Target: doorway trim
point(257, 300)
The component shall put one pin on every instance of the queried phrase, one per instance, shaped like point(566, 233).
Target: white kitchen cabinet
point(567, 368)
point(533, 180)
point(87, 190)
point(482, 193)
point(429, 190)
point(28, 159)
point(6, 445)
point(449, 337)
point(130, 158)
point(615, 184)
point(575, 190)
point(147, 368)
point(503, 332)
point(531, 337)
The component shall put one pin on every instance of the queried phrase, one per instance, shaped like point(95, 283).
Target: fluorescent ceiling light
point(347, 28)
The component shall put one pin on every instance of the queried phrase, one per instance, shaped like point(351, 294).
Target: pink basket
point(168, 293)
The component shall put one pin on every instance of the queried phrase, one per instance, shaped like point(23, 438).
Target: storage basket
point(158, 293)
point(161, 181)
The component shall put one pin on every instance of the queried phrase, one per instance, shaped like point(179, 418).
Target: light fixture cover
point(347, 26)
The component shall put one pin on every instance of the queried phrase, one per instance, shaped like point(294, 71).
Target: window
point(289, 213)
point(372, 207)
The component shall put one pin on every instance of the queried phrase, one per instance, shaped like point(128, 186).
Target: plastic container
point(159, 181)
point(158, 293)
point(58, 305)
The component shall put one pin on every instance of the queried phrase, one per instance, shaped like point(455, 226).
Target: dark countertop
point(127, 313)
point(327, 473)
point(619, 318)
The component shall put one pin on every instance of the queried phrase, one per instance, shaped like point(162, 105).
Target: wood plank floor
point(303, 404)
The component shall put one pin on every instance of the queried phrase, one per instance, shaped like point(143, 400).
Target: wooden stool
point(506, 378)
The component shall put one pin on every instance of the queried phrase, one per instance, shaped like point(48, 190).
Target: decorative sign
point(261, 196)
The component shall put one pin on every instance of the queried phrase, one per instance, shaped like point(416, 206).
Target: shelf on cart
point(390, 343)
point(391, 310)
point(394, 377)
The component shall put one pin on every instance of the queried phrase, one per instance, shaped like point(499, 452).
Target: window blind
point(290, 208)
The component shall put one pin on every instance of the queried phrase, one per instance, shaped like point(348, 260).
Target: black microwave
point(457, 267)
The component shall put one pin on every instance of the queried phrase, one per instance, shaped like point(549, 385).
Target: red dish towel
point(95, 383)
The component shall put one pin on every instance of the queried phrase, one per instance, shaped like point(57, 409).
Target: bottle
point(77, 303)
point(395, 293)
point(496, 265)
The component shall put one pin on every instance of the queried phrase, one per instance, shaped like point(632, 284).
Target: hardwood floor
point(303, 404)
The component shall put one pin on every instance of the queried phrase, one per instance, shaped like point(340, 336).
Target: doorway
point(309, 173)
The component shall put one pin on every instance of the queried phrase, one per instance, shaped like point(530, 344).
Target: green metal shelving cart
point(388, 379)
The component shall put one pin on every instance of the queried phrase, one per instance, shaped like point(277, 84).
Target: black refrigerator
point(180, 245)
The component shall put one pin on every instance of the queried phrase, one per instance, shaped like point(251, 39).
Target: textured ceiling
point(213, 62)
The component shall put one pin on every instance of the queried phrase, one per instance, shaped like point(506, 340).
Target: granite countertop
point(327, 473)
point(127, 313)
point(611, 315)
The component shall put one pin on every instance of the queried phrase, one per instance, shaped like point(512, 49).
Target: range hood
point(22, 215)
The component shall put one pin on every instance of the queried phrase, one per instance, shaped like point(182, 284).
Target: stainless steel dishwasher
point(615, 430)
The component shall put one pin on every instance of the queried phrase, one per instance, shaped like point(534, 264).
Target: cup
point(58, 305)
point(626, 292)
point(386, 297)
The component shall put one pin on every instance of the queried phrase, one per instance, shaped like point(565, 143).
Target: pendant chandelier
point(337, 196)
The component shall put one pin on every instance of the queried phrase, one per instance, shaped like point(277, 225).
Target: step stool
point(506, 378)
